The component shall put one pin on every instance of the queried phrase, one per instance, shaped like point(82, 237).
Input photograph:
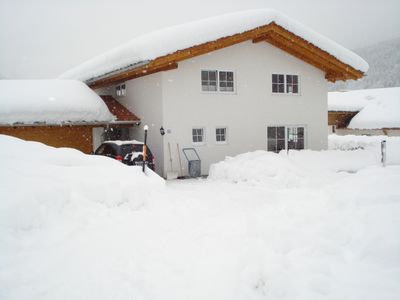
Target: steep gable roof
point(163, 49)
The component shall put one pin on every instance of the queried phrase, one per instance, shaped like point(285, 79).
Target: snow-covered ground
point(308, 225)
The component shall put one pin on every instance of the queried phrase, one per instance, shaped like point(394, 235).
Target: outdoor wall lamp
point(162, 131)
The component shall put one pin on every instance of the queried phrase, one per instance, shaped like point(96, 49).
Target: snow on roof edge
point(168, 40)
point(50, 102)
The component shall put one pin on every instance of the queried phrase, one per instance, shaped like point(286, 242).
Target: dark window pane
point(271, 132)
point(271, 145)
point(222, 84)
point(222, 75)
point(280, 132)
point(300, 132)
point(274, 88)
point(295, 89)
point(204, 75)
point(274, 78)
point(229, 84)
point(300, 144)
point(213, 75)
point(280, 145)
point(281, 88)
point(288, 79)
point(230, 76)
point(295, 79)
point(281, 78)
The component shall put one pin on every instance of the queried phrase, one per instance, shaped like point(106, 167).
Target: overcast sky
point(43, 38)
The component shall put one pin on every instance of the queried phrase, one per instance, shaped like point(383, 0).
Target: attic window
point(285, 84)
point(217, 81)
point(120, 90)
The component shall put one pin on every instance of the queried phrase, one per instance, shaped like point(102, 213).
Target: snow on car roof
point(119, 143)
point(50, 102)
point(165, 41)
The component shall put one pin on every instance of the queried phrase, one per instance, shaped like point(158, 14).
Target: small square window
point(208, 80)
point(220, 135)
point(226, 81)
point(292, 86)
point(120, 90)
point(278, 83)
point(198, 135)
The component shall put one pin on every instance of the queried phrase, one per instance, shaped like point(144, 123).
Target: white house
point(225, 85)
point(369, 111)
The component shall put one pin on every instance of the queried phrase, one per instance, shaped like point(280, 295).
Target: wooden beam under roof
point(276, 35)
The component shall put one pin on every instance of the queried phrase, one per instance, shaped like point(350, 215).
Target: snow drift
point(39, 182)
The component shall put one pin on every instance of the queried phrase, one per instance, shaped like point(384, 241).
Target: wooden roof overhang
point(272, 33)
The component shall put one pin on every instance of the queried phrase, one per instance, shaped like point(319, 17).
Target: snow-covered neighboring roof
point(169, 40)
point(50, 102)
point(381, 111)
point(378, 108)
point(351, 101)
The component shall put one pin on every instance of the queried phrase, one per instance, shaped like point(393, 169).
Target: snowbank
point(50, 102)
point(169, 40)
point(370, 143)
point(334, 237)
point(294, 168)
point(39, 183)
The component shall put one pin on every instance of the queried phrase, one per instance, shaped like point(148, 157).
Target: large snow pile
point(68, 233)
point(169, 40)
point(50, 102)
point(370, 143)
point(289, 168)
point(39, 183)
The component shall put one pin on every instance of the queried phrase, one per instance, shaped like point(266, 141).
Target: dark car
point(127, 152)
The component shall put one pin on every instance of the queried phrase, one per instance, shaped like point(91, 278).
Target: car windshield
point(129, 148)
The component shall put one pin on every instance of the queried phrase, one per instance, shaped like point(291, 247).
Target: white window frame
point(226, 135)
point(285, 74)
point(204, 135)
point(218, 91)
point(122, 88)
point(286, 137)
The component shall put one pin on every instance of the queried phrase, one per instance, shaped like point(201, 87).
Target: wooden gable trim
point(271, 33)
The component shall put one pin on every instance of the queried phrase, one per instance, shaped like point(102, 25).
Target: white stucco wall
point(248, 111)
point(144, 99)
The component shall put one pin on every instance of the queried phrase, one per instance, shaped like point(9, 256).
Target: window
point(120, 90)
point(217, 81)
point(285, 137)
point(295, 138)
point(225, 81)
point(220, 135)
point(208, 80)
point(276, 138)
point(285, 84)
point(198, 135)
point(278, 83)
point(292, 84)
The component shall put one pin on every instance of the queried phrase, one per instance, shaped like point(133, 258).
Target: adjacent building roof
point(122, 114)
point(378, 108)
point(50, 102)
point(163, 49)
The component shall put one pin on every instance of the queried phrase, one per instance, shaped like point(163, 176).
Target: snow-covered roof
point(169, 40)
point(381, 111)
point(50, 102)
point(378, 108)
